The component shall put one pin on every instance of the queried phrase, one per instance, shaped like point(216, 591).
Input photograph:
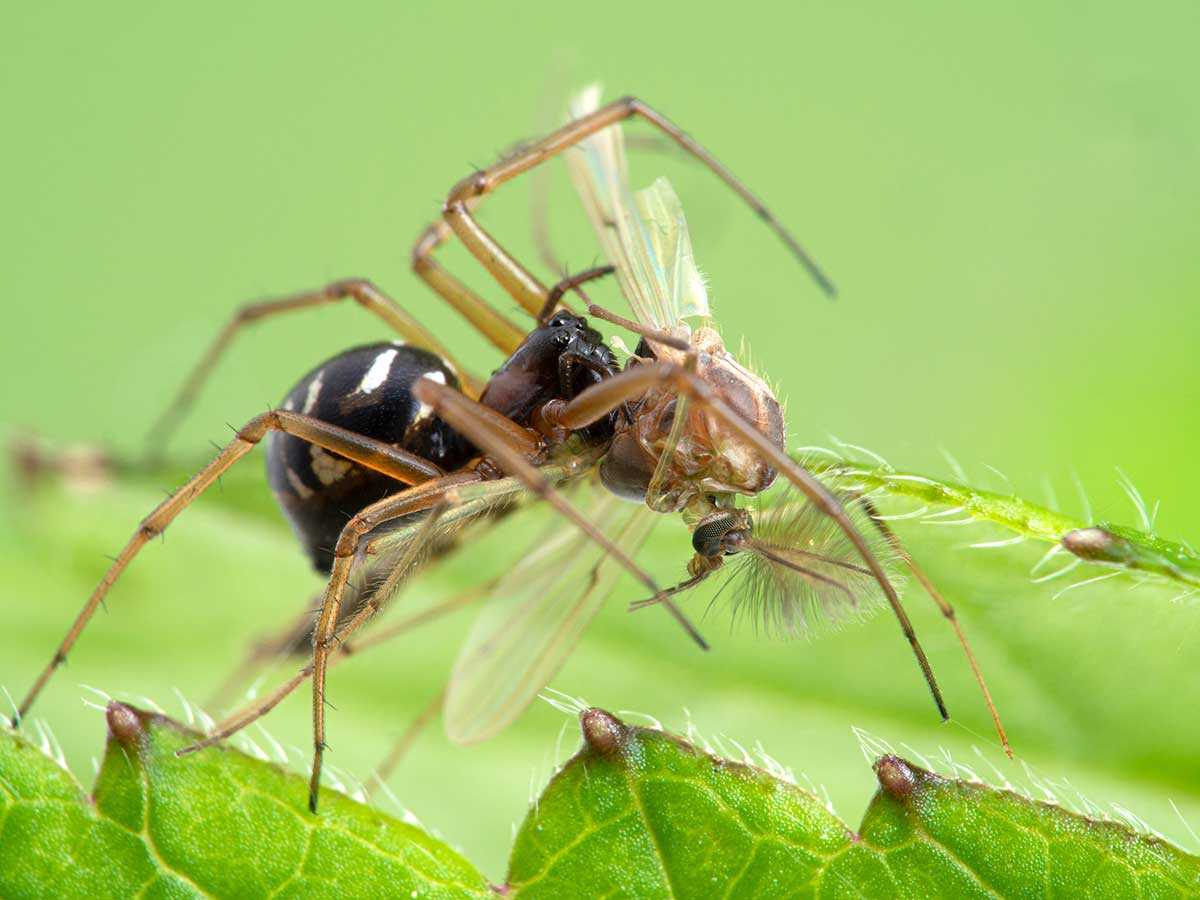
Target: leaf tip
point(896, 777)
point(603, 732)
point(125, 724)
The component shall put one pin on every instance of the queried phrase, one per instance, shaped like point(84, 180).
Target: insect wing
point(532, 620)
point(643, 234)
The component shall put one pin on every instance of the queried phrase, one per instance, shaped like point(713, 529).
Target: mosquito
point(384, 454)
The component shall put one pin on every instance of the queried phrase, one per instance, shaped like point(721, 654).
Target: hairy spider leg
point(361, 291)
point(399, 464)
point(521, 285)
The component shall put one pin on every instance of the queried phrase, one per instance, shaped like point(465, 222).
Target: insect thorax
point(709, 458)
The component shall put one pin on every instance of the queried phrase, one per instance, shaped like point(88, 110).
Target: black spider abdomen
point(367, 390)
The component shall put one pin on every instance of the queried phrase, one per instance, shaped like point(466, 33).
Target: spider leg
point(503, 438)
point(474, 421)
point(361, 291)
point(520, 284)
point(503, 334)
point(381, 457)
point(604, 396)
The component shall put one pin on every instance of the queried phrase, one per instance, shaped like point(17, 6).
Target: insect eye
point(707, 539)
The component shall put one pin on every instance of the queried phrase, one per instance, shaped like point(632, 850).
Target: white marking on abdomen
point(378, 373)
point(314, 391)
point(327, 468)
point(303, 491)
point(425, 410)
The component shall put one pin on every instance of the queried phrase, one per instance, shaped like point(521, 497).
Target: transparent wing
point(533, 618)
point(643, 234)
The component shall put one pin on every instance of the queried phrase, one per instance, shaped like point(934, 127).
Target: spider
point(406, 441)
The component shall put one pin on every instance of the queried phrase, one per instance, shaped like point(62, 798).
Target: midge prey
point(382, 455)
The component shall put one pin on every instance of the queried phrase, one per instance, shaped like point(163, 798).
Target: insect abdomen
point(367, 390)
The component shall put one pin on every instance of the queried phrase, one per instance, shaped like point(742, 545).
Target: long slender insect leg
point(399, 464)
point(604, 396)
point(521, 285)
point(361, 291)
point(473, 420)
point(947, 610)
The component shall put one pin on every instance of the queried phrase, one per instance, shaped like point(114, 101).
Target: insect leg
point(947, 610)
point(361, 291)
point(376, 455)
point(603, 397)
point(521, 285)
point(474, 421)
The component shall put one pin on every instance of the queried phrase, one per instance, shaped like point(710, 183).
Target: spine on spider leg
point(1102, 544)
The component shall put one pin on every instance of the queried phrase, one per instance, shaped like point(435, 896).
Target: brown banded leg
point(603, 397)
point(520, 284)
point(381, 457)
point(430, 495)
point(480, 426)
point(362, 292)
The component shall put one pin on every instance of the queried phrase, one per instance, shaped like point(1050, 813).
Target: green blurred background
point(1007, 198)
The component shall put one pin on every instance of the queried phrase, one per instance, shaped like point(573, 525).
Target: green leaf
point(640, 813)
point(217, 824)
